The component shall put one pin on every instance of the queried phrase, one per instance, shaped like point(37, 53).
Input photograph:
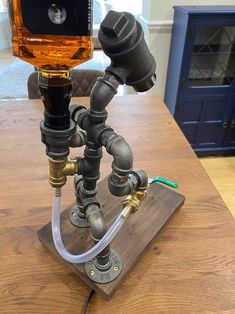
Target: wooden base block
point(134, 238)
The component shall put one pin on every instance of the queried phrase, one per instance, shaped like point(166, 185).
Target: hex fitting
point(57, 141)
point(133, 201)
point(59, 170)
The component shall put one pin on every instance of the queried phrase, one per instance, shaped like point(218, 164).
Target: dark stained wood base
point(137, 234)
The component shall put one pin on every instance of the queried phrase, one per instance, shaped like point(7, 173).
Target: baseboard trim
point(216, 151)
point(156, 25)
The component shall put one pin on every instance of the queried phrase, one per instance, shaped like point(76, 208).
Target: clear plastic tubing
point(94, 251)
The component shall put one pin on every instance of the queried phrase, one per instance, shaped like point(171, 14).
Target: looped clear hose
point(93, 252)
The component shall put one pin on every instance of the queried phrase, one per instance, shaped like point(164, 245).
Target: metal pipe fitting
point(95, 218)
point(57, 141)
point(121, 185)
point(122, 39)
point(124, 185)
point(78, 114)
point(133, 201)
point(59, 170)
point(122, 155)
point(78, 139)
point(97, 222)
point(103, 92)
point(120, 150)
point(142, 179)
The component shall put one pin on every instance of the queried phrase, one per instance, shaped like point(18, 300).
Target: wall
point(157, 20)
point(4, 31)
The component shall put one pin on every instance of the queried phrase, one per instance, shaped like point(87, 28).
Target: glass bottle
point(53, 36)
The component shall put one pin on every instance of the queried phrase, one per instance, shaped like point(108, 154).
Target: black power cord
point(88, 302)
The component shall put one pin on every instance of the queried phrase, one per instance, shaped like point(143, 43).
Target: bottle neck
point(56, 91)
point(57, 74)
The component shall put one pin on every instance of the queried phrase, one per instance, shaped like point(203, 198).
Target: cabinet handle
point(232, 125)
point(225, 124)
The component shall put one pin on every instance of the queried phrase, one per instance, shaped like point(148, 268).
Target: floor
point(221, 170)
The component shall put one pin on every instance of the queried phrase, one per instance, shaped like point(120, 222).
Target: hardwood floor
point(221, 170)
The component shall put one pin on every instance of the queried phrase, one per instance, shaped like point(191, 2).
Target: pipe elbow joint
point(78, 139)
point(122, 155)
point(125, 185)
point(121, 187)
point(97, 222)
point(79, 115)
point(142, 179)
point(103, 92)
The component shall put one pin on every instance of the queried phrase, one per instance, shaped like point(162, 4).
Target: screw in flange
point(104, 275)
point(76, 219)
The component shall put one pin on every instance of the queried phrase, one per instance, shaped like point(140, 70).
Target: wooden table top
point(189, 269)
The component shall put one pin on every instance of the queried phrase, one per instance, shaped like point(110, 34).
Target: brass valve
point(59, 170)
point(133, 201)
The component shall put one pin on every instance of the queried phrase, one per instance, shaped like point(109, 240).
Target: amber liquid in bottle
point(53, 37)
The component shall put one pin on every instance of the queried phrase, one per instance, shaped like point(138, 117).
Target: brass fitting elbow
point(133, 201)
point(59, 170)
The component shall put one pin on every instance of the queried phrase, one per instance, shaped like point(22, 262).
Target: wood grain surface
point(131, 242)
point(189, 269)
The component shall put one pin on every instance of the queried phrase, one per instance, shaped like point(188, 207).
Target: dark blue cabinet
point(230, 136)
point(200, 87)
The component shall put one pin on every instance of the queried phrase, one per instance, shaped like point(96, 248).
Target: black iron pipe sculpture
point(122, 39)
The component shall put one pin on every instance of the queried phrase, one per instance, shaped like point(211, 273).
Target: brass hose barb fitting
point(133, 201)
point(59, 170)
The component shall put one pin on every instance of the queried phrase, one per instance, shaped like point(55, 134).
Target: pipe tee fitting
point(59, 170)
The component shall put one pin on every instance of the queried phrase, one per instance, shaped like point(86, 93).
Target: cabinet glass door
point(213, 56)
